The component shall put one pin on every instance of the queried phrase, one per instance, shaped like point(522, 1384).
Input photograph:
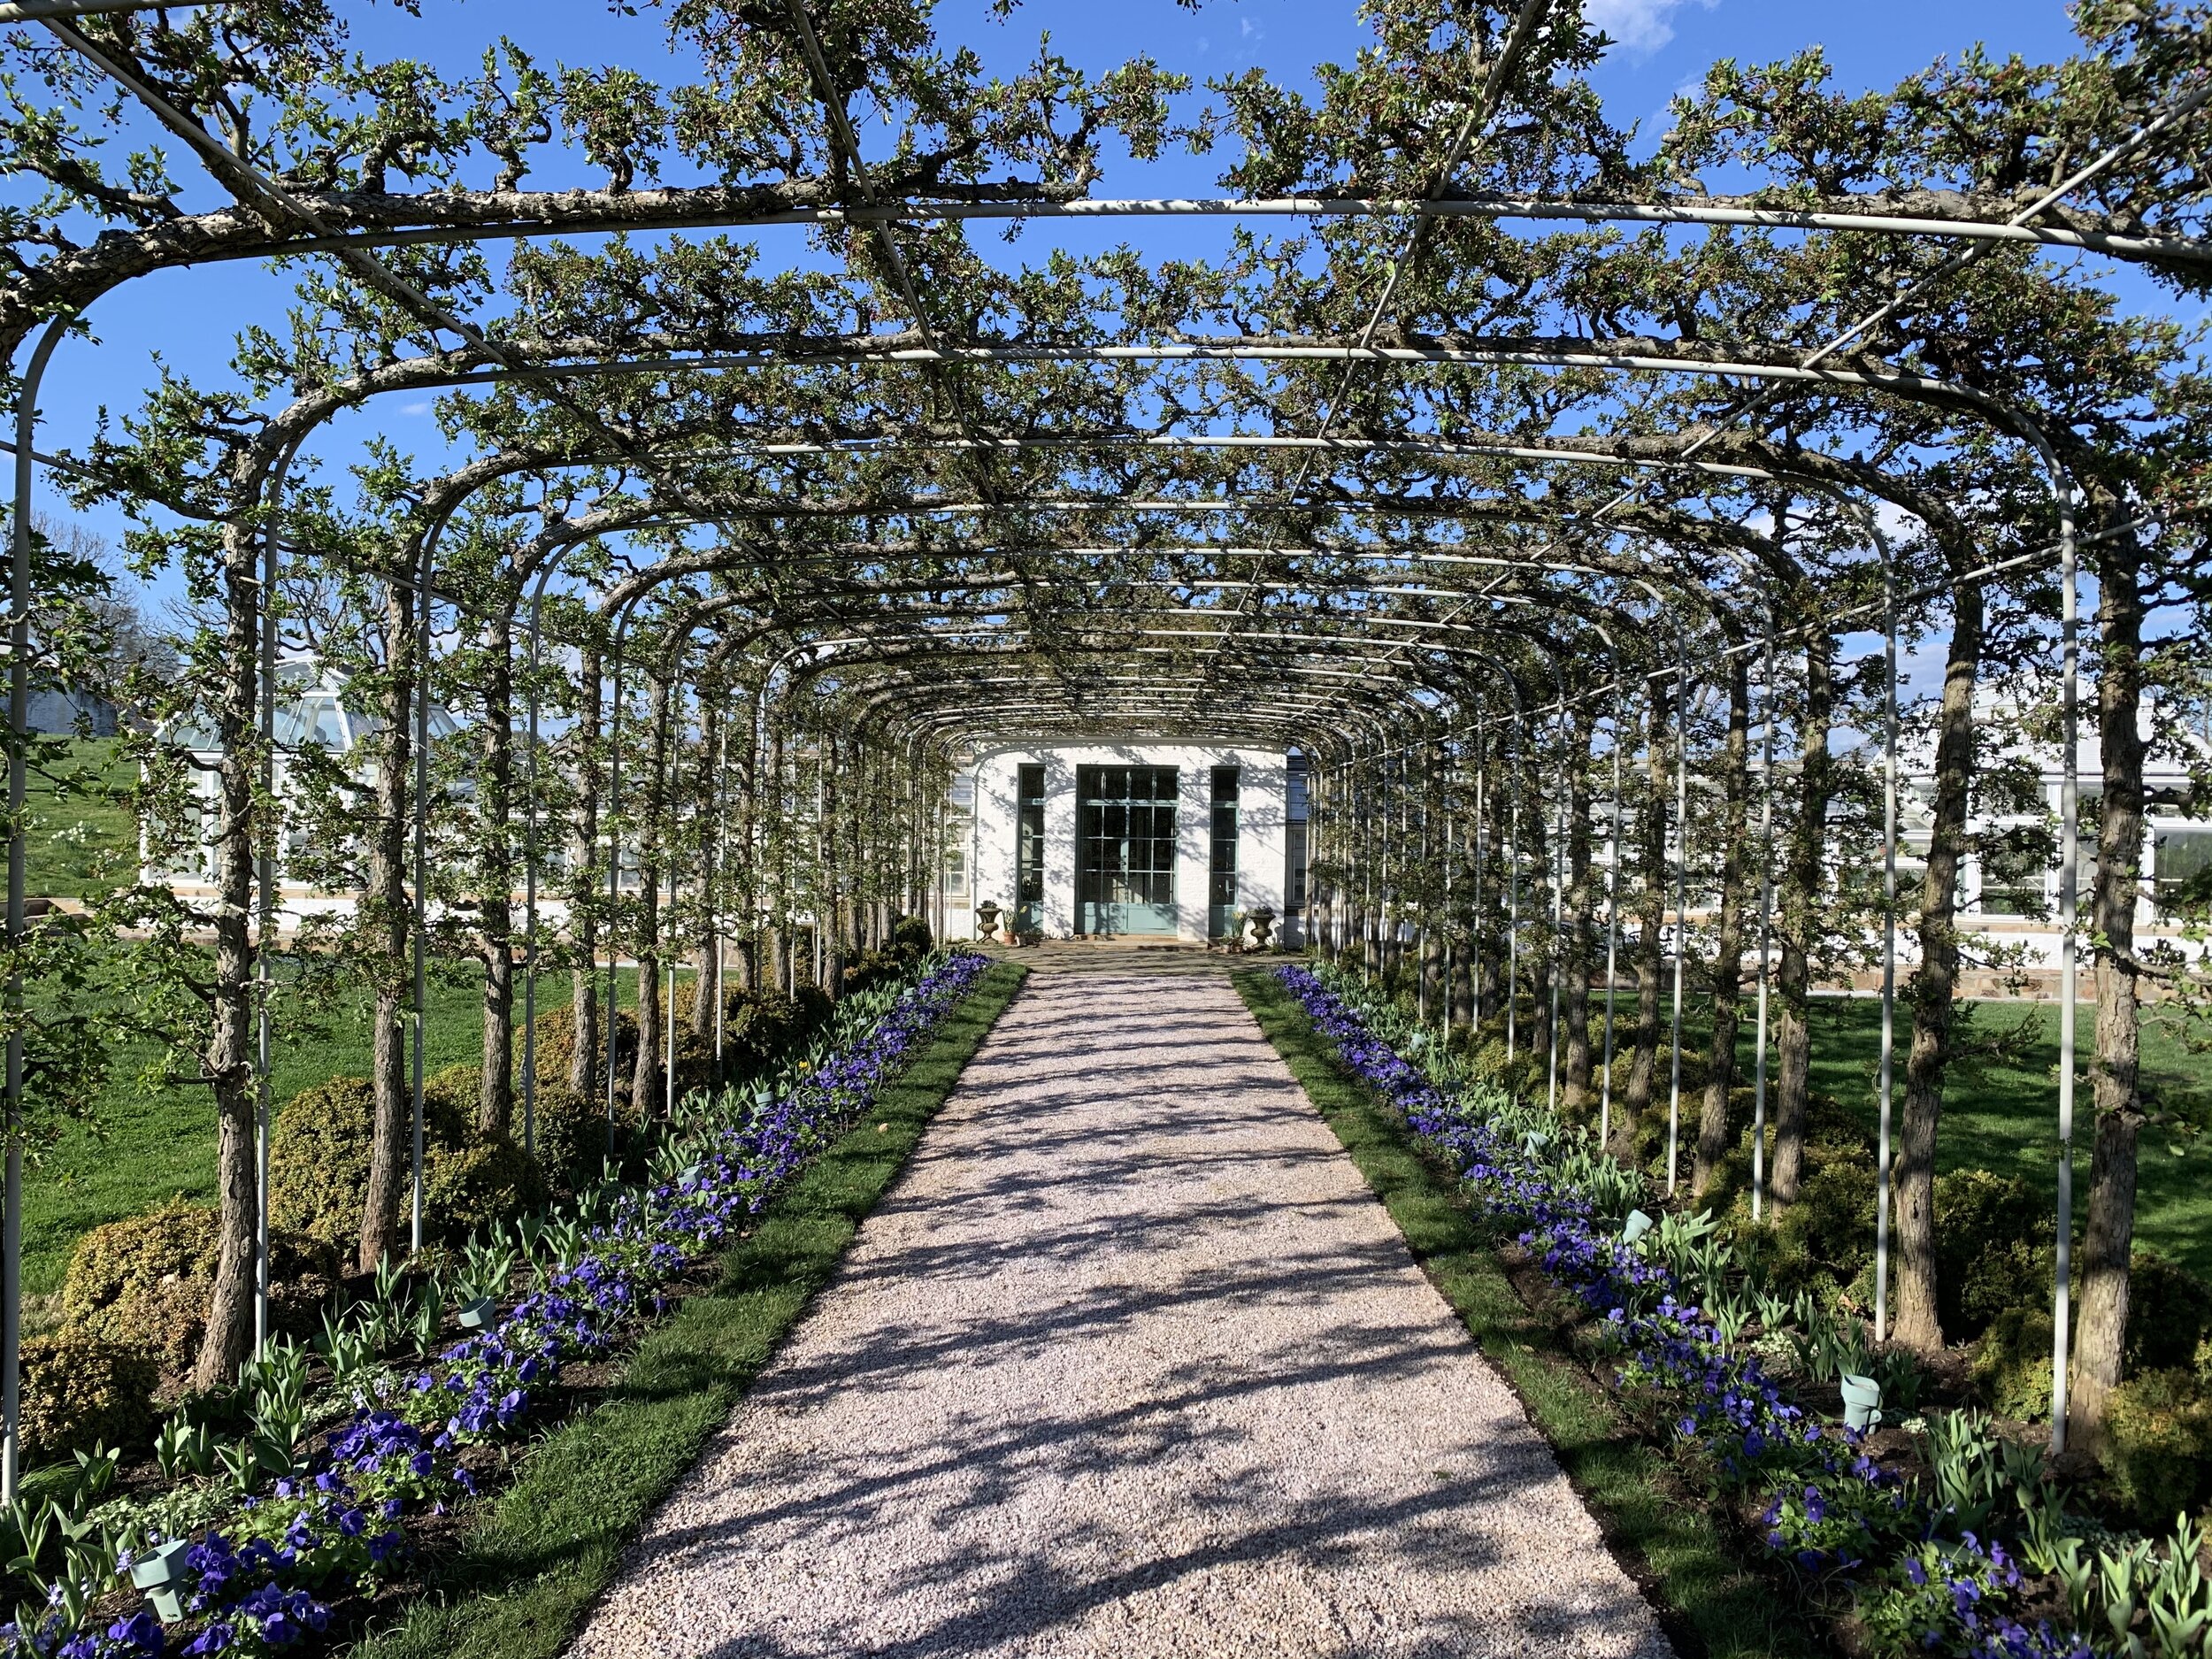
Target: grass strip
point(1709, 1601)
point(547, 1546)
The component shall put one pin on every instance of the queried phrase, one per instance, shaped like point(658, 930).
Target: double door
point(1126, 849)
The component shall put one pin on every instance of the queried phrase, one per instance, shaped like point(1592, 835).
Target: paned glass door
point(1221, 897)
point(1029, 850)
point(1125, 872)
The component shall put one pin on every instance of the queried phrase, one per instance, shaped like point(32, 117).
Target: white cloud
point(414, 408)
point(1640, 27)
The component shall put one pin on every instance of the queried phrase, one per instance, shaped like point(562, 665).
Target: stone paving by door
point(1131, 1364)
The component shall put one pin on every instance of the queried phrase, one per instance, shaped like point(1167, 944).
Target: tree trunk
point(1651, 902)
point(1934, 984)
point(387, 913)
point(1720, 1076)
point(229, 1058)
point(2115, 1080)
point(583, 899)
point(1800, 913)
point(494, 794)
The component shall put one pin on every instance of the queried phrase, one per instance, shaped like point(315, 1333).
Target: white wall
point(1262, 808)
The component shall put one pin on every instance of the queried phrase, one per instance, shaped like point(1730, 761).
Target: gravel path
point(1129, 1363)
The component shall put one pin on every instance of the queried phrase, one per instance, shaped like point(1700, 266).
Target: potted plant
point(987, 914)
point(1262, 920)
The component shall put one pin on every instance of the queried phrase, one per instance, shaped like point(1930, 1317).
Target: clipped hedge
point(570, 1134)
point(1994, 1251)
point(318, 1161)
point(759, 1029)
point(2169, 1313)
point(556, 1050)
point(144, 1281)
point(80, 1391)
point(2158, 1444)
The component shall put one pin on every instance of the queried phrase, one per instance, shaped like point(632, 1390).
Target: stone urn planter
point(987, 914)
point(1262, 920)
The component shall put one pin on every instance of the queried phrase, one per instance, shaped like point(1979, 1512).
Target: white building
point(1169, 842)
point(314, 710)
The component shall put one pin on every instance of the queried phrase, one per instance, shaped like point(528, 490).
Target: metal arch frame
point(1903, 226)
point(541, 463)
point(657, 576)
point(935, 723)
point(956, 721)
point(2068, 872)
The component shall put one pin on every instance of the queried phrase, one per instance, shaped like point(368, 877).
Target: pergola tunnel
point(1666, 671)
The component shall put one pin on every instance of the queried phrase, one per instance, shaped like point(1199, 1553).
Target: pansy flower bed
point(260, 1569)
point(1873, 1544)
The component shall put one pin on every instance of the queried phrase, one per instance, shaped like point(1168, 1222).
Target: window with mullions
point(1029, 846)
point(1125, 823)
point(1221, 882)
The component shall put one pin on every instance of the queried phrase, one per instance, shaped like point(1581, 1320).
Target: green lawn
point(71, 835)
point(2000, 1107)
point(145, 1147)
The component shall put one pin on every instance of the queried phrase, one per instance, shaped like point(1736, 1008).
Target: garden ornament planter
point(1862, 1403)
point(1634, 1228)
point(159, 1566)
point(478, 1314)
point(156, 1573)
point(987, 914)
point(1262, 920)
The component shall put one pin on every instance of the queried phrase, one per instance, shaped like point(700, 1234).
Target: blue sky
point(190, 317)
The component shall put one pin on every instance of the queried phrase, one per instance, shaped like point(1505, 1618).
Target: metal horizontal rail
point(35, 10)
point(917, 211)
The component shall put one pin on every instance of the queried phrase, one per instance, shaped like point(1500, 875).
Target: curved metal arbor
point(981, 571)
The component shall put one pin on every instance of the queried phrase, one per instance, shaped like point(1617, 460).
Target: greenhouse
point(975, 829)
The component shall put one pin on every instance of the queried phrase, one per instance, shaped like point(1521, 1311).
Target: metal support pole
point(1482, 783)
point(19, 783)
point(264, 916)
point(719, 896)
point(422, 880)
point(1421, 912)
point(1558, 900)
point(530, 874)
point(1612, 906)
point(1681, 896)
point(614, 863)
point(1513, 897)
point(2068, 881)
point(1449, 843)
point(1766, 922)
point(1889, 949)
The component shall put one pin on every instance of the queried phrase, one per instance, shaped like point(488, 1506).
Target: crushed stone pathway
point(1129, 1362)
